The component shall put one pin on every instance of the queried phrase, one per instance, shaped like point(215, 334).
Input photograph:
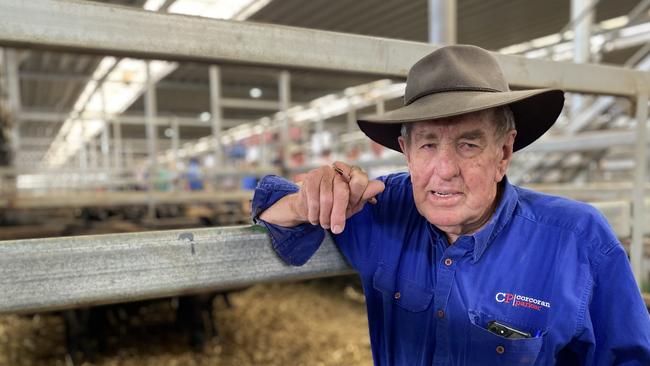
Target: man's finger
point(345, 168)
point(312, 193)
point(326, 197)
point(339, 205)
point(358, 183)
point(374, 188)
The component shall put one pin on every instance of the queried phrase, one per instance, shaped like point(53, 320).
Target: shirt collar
point(500, 218)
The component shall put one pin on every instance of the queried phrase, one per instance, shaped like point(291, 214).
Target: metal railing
point(59, 273)
point(65, 272)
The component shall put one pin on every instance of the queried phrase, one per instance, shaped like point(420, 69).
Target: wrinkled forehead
point(482, 120)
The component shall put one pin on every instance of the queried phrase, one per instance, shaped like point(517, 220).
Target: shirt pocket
point(491, 349)
point(405, 293)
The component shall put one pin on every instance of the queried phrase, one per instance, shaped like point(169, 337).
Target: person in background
point(458, 265)
point(194, 175)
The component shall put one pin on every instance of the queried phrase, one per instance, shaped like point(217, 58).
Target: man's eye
point(427, 146)
point(468, 146)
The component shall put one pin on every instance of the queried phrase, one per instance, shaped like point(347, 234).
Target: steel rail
point(120, 198)
point(67, 272)
point(69, 25)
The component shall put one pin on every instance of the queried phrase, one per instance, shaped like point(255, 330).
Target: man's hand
point(328, 196)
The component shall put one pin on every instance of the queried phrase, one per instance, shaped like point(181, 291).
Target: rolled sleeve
point(295, 245)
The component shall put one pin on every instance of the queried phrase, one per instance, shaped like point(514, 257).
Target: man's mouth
point(444, 193)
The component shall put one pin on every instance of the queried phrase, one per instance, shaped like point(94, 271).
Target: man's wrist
point(285, 212)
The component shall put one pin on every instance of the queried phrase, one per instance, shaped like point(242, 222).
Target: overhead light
point(255, 93)
point(169, 133)
point(153, 5)
point(635, 30)
point(617, 22)
point(99, 98)
point(105, 100)
point(220, 9)
point(251, 9)
point(205, 117)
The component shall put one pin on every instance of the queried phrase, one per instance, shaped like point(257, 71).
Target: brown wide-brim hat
point(460, 79)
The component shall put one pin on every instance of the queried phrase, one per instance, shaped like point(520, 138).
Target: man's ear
point(405, 150)
point(507, 147)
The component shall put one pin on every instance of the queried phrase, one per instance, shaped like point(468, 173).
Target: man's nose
point(446, 166)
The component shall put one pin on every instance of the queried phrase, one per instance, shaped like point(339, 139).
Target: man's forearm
point(283, 212)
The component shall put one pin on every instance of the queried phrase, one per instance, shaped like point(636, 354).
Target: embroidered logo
point(521, 301)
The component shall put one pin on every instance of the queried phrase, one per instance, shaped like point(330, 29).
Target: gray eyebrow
point(426, 135)
point(473, 135)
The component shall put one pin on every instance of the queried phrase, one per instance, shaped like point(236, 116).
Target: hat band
point(454, 89)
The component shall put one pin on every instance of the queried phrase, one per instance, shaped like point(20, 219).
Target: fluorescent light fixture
point(635, 30)
point(546, 40)
point(329, 106)
point(128, 78)
point(537, 48)
point(255, 93)
point(105, 99)
point(205, 117)
point(153, 5)
point(613, 23)
point(219, 9)
point(251, 9)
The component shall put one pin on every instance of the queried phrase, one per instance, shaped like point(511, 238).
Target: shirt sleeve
point(295, 245)
point(616, 324)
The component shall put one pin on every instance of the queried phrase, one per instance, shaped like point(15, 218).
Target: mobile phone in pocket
point(506, 331)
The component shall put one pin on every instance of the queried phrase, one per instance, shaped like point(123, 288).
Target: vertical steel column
point(106, 163)
point(380, 107)
point(640, 171)
point(320, 122)
point(284, 85)
point(83, 149)
point(320, 129)
point(582, 16)
point(352, 119)
point(93, 153)
point(150, 111)
point(264, 154)
point(130, 159)
point(13, 91)
point(117, 146)
point(216, 113)
point(175, 146)
point(442, 21)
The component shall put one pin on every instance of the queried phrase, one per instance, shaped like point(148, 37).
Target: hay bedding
point(319, 322)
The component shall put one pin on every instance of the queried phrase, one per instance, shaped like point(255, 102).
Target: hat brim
point(535, 111)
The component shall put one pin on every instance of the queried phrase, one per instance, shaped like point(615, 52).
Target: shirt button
point(500, 350)
point(440, 313)
point(448, 262)
point(397, 295)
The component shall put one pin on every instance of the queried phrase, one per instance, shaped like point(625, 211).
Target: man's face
point(455, 165)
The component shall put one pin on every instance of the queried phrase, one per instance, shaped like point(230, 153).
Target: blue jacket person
point(460, 267)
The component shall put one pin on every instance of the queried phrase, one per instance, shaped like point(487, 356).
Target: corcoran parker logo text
point(521, 301)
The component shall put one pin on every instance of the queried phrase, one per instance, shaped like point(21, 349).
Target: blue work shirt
point(544, 265)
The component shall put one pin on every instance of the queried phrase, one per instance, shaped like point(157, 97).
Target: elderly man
point(459, 267)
